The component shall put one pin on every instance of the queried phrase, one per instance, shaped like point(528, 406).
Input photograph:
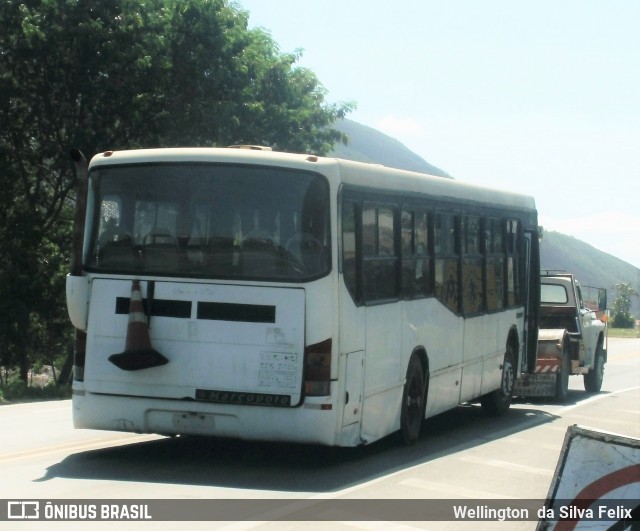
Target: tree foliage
point(622, 317)
point(115, 75)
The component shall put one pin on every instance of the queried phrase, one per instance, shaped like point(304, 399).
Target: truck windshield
point(208, 220)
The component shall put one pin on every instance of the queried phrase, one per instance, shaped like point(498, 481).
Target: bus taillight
point(317, 368)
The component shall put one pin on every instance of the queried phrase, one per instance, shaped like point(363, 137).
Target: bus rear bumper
point(306, 424)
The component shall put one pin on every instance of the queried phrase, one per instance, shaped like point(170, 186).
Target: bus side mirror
point(77, 289)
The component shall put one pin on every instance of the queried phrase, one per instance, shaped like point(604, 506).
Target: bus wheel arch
point(414, 396)
point(514, 343)
point(497, 402)
point(421, 353)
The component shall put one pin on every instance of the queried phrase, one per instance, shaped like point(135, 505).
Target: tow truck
point(572, 338)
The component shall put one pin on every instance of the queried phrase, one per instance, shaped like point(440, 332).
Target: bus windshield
point(208, 220)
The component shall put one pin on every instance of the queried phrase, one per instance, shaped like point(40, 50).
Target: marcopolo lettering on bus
point(240, 398)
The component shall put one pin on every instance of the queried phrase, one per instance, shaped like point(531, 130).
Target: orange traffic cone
point(138, 353)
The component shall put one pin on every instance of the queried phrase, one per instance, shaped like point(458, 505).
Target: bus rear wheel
point(498, 402)
point(412, 408)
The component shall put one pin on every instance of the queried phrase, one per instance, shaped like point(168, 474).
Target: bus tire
point(412, 407)
point(593, 379)
point(498, 402)
point(562, 377)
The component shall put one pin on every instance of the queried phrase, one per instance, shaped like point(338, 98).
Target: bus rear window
point(208, 221)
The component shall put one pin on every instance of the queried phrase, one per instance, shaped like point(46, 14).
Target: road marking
point(51, 405)
point(589, 418)
point(74, 447)
point(507, 465)
point(595, 398)
point(525, 442)
point(457, 492)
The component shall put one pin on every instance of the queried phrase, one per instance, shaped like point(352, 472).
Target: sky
point(540, 97)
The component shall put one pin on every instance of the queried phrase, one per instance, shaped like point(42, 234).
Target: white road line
point(525, 442)
point(595, 398)
point(457, 492)
point(508, 466)
point(74, 447)
point(588, 418)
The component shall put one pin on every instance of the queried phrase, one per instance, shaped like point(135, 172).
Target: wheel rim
point(414, 400)
point(508, 377)
point(411, 415)
point(599, 370)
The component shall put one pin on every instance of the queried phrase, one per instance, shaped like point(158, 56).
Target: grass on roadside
point(624, 332)
point(14, 390)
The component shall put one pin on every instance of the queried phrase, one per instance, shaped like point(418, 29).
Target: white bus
point(296, 298)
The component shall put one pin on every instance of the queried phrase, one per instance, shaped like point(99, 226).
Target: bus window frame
point(498, 251)
point(376, 258)
point(414, 256)
point(96, 196)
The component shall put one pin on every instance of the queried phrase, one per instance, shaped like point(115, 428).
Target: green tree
point(124, 74)
point(622, 317)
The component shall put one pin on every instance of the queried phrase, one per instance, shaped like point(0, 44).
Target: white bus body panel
point(465, 357)
point(431, 326)
point(206, 353)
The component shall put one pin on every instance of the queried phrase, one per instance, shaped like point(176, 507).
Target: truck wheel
point(593, 379)
point(412, 408)
point(562, 378)
point(497, 402)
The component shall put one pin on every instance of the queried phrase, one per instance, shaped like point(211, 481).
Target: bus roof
point(231, 155)
point(382, 177)
point(358, 174)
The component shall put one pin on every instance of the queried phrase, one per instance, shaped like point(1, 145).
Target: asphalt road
point(460, 455)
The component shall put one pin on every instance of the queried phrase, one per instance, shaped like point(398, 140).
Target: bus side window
point(416, 266)
point(494, 253)
point(513, 273)
point(349, 249)
point(472, 282)
point(380, 253)
point(446, 234)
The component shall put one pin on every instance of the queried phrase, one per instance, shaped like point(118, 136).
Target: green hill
point(370, 145)
point(558, 251)
point(590, 266)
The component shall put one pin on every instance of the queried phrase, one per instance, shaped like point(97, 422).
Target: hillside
point(591, 266)
point(370, 145)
